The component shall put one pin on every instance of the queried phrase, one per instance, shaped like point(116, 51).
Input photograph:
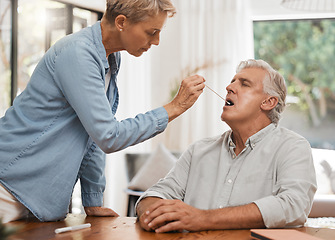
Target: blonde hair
point(137, 10)
point(273, 85)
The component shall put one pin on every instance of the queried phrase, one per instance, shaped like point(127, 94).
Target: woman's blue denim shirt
point(53, 123)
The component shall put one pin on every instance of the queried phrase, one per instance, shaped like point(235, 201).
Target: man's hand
point(189, 91)
point(172, 215)
point(100, 212)
point(163, 215)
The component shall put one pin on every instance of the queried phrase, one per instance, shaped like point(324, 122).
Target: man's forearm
point(240, 217)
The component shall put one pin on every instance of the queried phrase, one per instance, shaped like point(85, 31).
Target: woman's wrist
point(173, 110)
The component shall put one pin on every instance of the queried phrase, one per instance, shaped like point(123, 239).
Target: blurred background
point(209, 38)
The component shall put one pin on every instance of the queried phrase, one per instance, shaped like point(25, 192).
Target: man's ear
point(120, 22)
point(269, 103)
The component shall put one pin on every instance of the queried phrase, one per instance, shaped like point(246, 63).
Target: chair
point(134, 161)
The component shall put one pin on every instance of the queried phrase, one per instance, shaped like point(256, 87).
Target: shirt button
point(234, 156)
point(230, 181)
point(253, 145)
point(220, 206)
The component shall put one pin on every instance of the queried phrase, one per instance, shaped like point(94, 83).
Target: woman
point(55, 130)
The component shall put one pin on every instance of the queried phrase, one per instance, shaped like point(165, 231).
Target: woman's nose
point(155, 40)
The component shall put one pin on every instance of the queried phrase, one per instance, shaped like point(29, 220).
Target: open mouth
point(229, 103)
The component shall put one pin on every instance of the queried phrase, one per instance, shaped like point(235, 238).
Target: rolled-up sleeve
point(293, 190)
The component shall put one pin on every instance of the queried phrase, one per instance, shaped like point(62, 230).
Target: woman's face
point(138, 37)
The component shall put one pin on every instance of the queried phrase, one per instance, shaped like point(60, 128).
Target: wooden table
point(126, 228)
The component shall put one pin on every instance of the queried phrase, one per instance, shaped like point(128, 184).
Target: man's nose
point(230, 88)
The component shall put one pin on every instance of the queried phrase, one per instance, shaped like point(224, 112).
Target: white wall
point(96, 5)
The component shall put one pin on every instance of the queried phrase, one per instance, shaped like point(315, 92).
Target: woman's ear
point(120, 22)
point(269, 103)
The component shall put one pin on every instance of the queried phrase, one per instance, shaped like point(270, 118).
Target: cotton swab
point(215, 92)
point(72, 228)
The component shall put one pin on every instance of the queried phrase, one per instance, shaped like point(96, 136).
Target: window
point(37, 24)
point(41, 24)
point(5, 54)
point(304, 52)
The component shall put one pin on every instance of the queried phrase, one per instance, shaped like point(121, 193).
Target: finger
point(164, 218)
point(192, 81)
point(193, 85)
point(197, 79)
point(145, 226)
point(143, 223)
point(108, 212)
point(114, 214)
point(100, 211)
point(160, 207)
point(158, 204)
point(197, 89)
point(150, 216)
point(169, 227)
point(154, 210)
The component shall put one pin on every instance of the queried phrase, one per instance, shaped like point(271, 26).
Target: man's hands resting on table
point(172, 215)
point(162, 215)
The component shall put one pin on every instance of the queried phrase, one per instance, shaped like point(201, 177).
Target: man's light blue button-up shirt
point(52, 125)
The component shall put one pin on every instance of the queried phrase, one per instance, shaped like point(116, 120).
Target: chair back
point(134, 161)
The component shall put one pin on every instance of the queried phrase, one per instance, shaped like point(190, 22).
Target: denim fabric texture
point(61, 124)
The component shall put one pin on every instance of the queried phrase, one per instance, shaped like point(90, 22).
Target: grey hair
point(137, 10)
point(273, 85)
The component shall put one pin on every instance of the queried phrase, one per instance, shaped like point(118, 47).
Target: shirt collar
point(257, 137)
point(254, 139)
point(97, 36)
point(113, 63)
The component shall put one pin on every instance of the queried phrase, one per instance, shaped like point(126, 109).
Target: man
point(255, 175)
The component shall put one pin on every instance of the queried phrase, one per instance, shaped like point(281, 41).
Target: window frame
point(14, 42)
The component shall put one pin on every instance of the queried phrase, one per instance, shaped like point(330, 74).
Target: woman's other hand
point(100, 212)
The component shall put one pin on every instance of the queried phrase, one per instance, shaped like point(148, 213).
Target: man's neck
point(242, 132)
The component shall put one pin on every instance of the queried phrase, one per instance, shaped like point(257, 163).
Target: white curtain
point(134, 89)
point(210, 36)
